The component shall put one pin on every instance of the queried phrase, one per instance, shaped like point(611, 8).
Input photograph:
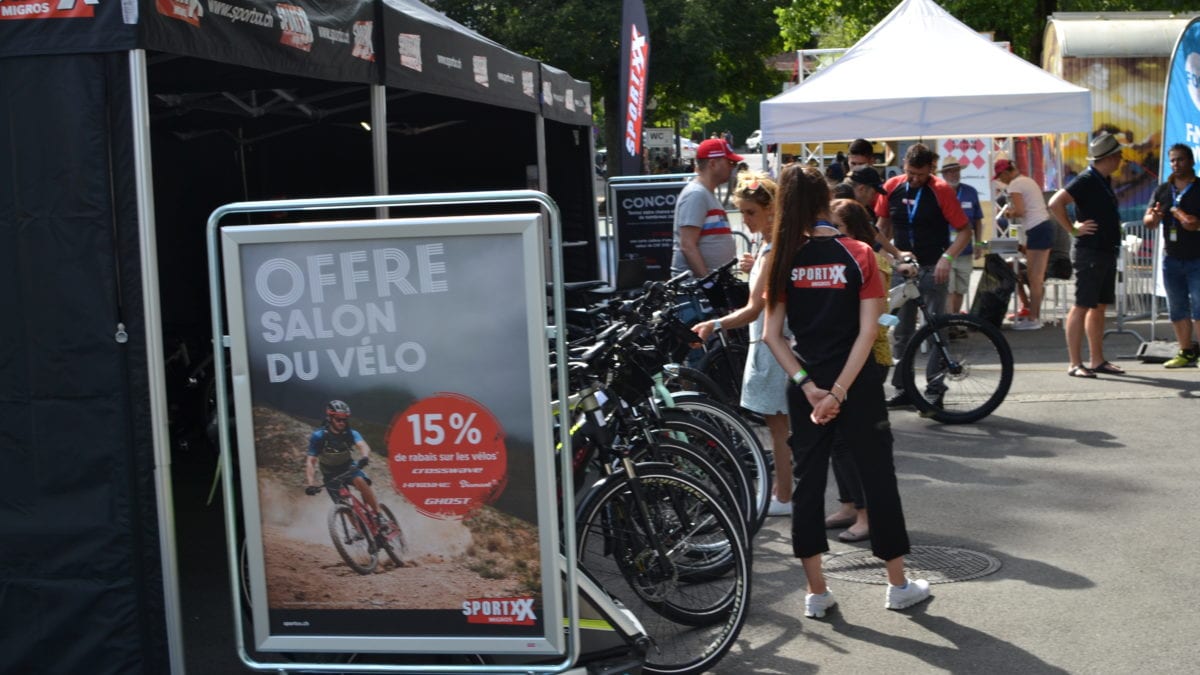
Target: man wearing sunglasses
point(702, 239)
point(333, 447)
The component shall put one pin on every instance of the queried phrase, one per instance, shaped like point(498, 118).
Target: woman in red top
point(827, 289)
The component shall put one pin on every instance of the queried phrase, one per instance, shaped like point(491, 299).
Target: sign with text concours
point(418, 344)
point(644, 223)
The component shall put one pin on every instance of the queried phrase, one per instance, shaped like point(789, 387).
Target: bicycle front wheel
point(957, 369)
point(642, 551)
point(352, 539)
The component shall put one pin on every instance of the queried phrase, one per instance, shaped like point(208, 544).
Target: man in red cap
point(703, 240)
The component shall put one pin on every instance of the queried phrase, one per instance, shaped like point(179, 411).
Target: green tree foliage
point(709, 53)
point(806, 24)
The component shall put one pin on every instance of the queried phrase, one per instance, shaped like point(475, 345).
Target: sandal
point(1107, 368)
point(1080, 370)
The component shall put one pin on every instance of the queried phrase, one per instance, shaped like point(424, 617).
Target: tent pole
point(379, 142)
point(140, 105)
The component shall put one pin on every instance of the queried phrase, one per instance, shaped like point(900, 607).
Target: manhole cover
point(938, 564)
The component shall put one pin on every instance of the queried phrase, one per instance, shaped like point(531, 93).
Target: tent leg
point(379, 142)
point(140, 105)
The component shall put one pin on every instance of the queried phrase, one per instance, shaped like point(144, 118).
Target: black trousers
point(863, 425)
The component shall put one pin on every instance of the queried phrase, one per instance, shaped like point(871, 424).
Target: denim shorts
point(1182, 279)
point(1040, 236)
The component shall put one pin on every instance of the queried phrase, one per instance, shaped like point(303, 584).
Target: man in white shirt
point(703, 240)
point(1026, 201)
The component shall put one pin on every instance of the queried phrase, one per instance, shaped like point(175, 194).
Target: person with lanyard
point(1026, 201)
point(1176, 205)
point(964, 263)
point(764, 384)
point(916, 213)
point(1097, 232)
point(827, 290)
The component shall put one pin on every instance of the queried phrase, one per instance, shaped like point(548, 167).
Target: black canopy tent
point(123, 125)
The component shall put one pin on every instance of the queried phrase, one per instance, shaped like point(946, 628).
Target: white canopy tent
point(921, 73)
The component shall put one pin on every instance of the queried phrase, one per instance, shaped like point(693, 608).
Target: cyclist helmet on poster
point(332, 447)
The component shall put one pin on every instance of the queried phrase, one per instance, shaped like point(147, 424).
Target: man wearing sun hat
point(968, 198)
point(703, 240)
point(1097, 232)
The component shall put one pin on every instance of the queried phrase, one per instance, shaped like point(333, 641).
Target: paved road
point(1085, 490)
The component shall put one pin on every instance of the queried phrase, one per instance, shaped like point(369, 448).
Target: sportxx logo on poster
point(47, 9)
point(819, 276)
point(512, 611)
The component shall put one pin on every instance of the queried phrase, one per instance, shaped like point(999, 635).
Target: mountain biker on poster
point(332, 447)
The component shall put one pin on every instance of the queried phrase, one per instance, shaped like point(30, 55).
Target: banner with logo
point(323, 40)
point(644, 224)
point(635, 68)
point(1181, 110)
point(30, 27)
point(565, 99)
point(418, 344)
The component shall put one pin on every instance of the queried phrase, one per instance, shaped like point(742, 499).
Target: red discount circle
point(447, 455)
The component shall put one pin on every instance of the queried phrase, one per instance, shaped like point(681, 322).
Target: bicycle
point(969, 368)
point(358, 532)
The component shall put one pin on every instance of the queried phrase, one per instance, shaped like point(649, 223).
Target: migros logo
point(47, 9)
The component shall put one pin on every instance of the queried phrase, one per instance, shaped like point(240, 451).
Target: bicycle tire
point(759, 463)
point(394, 539)
point(685, 378)
point(725, 365)
point(720, 450)
point(352, 539)
point(694, 462)
point(692, 625)
point(974, 382)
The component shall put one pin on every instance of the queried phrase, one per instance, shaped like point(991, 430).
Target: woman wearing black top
point(827, 289)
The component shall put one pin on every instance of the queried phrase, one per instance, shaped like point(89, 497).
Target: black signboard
point(643, 224)
point(29, 27)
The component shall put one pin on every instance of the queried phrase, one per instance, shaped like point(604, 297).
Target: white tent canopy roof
point(921, 73)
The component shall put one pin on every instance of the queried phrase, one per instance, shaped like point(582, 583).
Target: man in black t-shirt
point(1097, 232)
point(917, 211)
point(1176, 204)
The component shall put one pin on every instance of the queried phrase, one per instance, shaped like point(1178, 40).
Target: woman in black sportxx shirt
point(828, 290)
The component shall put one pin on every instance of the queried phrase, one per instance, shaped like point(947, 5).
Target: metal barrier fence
point(1137, 271)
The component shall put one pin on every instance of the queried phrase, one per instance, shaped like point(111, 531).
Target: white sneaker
point(1027, 324)
point(778, 508)
point(911, 593)
point(816, 605)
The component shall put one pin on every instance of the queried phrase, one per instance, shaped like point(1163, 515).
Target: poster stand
point(260, 264)
point(642, 212)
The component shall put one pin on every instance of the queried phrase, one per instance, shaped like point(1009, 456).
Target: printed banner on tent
point(417, 345)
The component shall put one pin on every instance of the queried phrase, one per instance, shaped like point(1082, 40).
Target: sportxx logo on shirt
point(512, 611)
point(819, 276)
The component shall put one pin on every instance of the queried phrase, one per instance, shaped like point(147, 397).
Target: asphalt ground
point(1084, 490)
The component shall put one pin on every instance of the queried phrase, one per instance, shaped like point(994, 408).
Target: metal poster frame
point(530, 231)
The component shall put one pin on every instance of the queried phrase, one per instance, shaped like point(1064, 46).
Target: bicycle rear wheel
point(692, 624)
point(758, 462)
point(352, 539)
point(959, 380)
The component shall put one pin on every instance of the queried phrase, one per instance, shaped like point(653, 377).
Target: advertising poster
point(644, 221)
point(419, 345)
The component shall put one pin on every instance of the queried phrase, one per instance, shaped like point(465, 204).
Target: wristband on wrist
point(800, 377)
point(839, 400)
point(845, 394)
point(716, 324)
point(949, 257)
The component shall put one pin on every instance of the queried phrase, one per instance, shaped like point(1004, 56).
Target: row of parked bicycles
point(673, 481)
